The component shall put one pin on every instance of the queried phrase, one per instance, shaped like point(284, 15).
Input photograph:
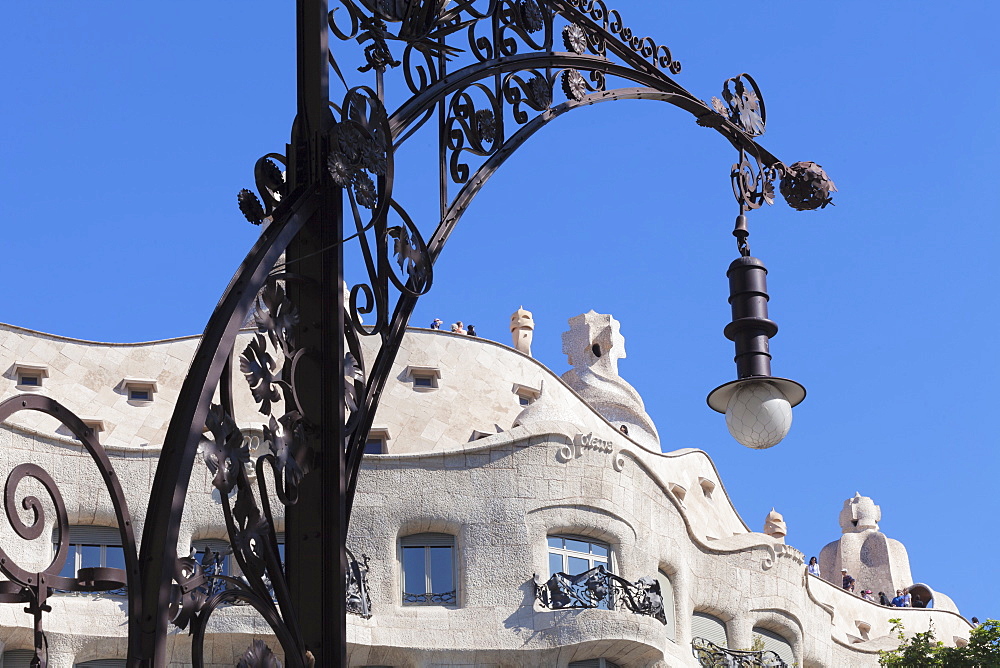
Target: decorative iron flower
point(531, 18)
point(373, 155)
point(272, 176)
point(251, 207)
point(485, 125)
point(258, 655)
point(284, 437)
point(276, 316)
point(746, 108)
point(365, 191)
point(806, 187)
point(352, 373)
point(719, 107)
point(539, 92)
point(252, 531)
point(574, 85)
point(262, 373)
point(574, 38)
point(226, 454)
point(340, 169)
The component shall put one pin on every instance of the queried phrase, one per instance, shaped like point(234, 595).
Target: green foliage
point(924, 651)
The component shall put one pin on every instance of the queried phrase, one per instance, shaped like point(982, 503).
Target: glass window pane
point(577, 565)
point(577, 545)
point(414, 572)
point(555, 564)
point(599, 550)
point(69, 568)
point(91, 556)
point(555, 541)
point(441, 572)
point(114, 557)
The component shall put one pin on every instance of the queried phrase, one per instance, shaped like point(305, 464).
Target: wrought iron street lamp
point(482, 76)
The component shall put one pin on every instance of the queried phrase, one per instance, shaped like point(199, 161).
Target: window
point(139, 389)
point(18, 658)
point(667, 593)
point(30, 375)
point(774, 642)
point(424, 377)
point(215, 556)
point(378, 442)
point(91, 547)
point(95, 425)
point(428, 569)
point(709, 627)
point(525, 395)
point(707, 487)
point(573, 555)
point(679, 492)
point(593, 663)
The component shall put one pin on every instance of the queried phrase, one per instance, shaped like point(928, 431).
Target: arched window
point(709, 627)
point(593, 663)
point(92, 546)
point(776, 643)
point(428, 561)
point(667, 592)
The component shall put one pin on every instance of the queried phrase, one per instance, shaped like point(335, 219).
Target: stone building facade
point(488, 474)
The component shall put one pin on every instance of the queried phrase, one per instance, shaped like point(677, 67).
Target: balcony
point(710, 655)
point(597, 588)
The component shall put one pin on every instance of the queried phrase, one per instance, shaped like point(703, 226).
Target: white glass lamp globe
point(758, 415)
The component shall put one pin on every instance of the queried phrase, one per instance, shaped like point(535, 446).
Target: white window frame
point(380, 435)
point(429, 377)
point(592, 559)
point(526, 395)
point(135, 385)
point(38, 372)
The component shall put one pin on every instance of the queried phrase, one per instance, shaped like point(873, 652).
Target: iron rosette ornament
point(806, 187)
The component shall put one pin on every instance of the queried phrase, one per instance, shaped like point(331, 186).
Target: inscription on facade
point(583, 442)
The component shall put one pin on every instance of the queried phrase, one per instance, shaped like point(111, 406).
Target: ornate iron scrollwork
point(711, 655)
point(358, 601)
point(444, 598)
point(597, 588)
point(485, 106)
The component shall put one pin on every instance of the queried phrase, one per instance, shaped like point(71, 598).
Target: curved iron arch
point(346, 157)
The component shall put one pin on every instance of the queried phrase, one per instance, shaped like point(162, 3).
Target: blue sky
point(127, 129)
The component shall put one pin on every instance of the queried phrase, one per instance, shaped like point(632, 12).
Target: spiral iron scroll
point(34, 587)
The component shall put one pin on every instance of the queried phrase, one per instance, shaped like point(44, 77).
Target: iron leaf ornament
point(744, 104)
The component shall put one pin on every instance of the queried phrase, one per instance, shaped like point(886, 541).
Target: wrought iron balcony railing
point(597, 588)
point(358, 601)
point(446, 598)
point(711, 655)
